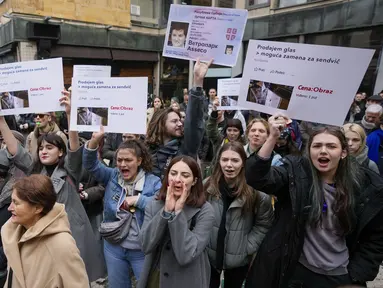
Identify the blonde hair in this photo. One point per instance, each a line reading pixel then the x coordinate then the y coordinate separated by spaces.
pixel 351 127
pixel 258 120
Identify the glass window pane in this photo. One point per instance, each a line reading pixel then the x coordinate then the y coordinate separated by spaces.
pixel 146 8
pixel 286 3
pixel 226 3
pixel 257 2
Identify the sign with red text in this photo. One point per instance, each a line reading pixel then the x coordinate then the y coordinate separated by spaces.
pixel 306 82
pixel 118 104
pixel 205 32
pixel 31 87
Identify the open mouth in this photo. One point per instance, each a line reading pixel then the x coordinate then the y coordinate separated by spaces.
pixel 125 172
pixel 323 161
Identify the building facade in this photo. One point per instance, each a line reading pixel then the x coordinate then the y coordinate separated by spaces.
pixel 129 35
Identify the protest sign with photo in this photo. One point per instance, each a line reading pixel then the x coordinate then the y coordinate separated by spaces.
pixel 31 87
pixel 228 93
pixel 118 104
pixel 91 71
pixel 307 82
pixel 205 32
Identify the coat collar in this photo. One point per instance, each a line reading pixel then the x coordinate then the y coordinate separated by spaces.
pixel 58 177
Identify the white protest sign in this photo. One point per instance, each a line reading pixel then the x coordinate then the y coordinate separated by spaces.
pixel 80 71
pixel 306 82
pixel 31 87
pixel 228 93
pixel 119 104
pixel 205 32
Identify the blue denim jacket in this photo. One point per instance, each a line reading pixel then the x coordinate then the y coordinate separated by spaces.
pixel 113 191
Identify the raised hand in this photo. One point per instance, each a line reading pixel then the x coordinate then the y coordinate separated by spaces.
pixel 98 135
pixel 170 201
pixel 181 201
pixel 200 70
pixel 65 100
pixel 277 122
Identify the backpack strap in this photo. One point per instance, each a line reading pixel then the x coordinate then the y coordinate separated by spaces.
pixel 10 277
pixel 193 222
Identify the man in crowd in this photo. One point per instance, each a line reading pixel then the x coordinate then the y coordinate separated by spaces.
pixel 371 118
pixel 167 137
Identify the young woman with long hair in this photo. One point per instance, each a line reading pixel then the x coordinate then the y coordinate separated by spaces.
pixel 356 140
pixel 64 167
pixel 177 229
pixel 158 104
pixel 129 188
pixel 242 217
pixel 257 132
pixel 328 228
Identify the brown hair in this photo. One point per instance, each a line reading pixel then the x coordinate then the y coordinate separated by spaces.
pixel 243 190
pixel 157 126
pixel 37 190
pixel 197 196
pixel 179 26
pixel 258 120
pixel 140 150
pixel 348 179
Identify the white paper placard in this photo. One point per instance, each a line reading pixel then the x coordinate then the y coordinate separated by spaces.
pixel 85 71
pixel 205 32
pixel 228 93
pixel 119 104
pixel 307 82
pixel 31 87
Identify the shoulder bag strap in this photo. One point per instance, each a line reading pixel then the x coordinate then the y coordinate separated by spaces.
pixel 10 277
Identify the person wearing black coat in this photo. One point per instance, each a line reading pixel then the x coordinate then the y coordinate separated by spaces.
pixel 328 228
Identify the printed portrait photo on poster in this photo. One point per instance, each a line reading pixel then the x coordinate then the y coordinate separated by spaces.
pixel 229 49
pixel 231 101
pixel 14 99
pixel 178 34
pixel 269 94
pixel 92 116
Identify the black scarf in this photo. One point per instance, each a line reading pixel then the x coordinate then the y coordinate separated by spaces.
pixel 227 199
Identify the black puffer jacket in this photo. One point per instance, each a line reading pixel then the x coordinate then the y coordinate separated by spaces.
pixel 282 247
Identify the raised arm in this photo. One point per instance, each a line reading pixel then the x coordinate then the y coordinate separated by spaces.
pixel 194 123
pixel 259 173
pixel 74 140
pixel 212 125
pixel 8 137
pixel 90 161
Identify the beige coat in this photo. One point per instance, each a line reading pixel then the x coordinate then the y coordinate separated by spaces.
pixel 45 255
pixel 31 143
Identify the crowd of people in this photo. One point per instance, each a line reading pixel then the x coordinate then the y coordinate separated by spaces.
pixel 207 198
